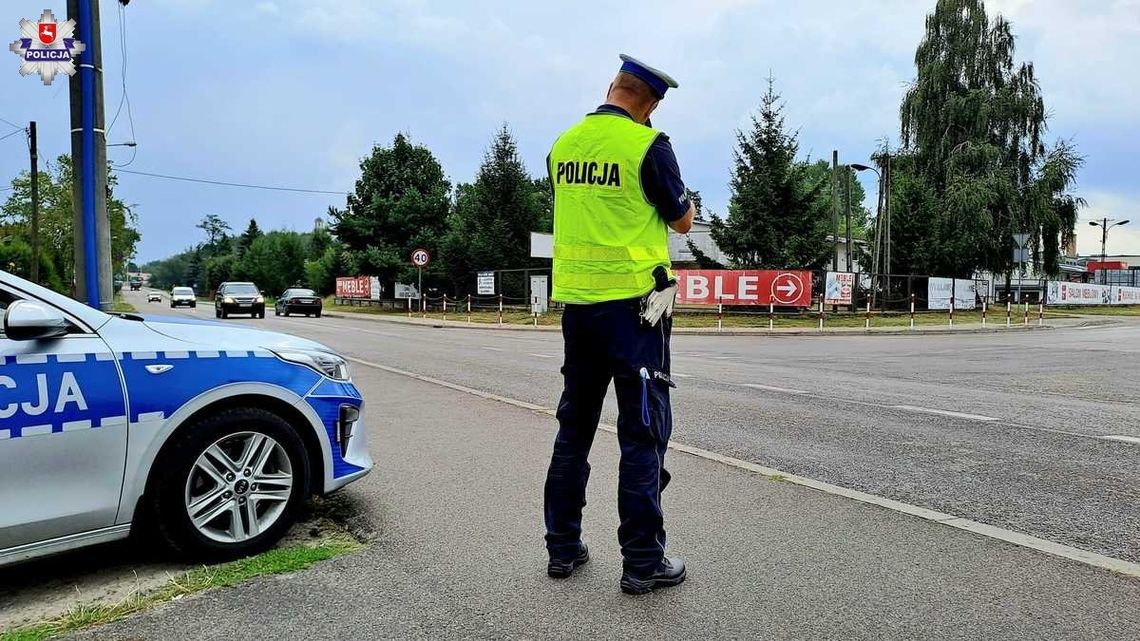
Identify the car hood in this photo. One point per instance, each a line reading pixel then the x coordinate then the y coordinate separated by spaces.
pixel 226 336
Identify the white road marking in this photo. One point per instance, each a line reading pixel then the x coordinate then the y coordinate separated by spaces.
pixel 928 410
pixel 491 349
pixel 1016 538
pixel 1126 439
pixel 770 388
pixel 542 355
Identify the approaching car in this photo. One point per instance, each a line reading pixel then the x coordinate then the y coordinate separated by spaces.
pixel 239 298
pixel 154 297
pixel 230 428
pixel 298 301
pixel 183 296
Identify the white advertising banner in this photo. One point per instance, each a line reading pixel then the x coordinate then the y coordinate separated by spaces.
pixel 1125 295
pixel 404 290
pixel 939 291
pixel 1078 294
pixel 839 288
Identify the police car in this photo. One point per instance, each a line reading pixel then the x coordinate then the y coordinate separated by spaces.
pixel 211 435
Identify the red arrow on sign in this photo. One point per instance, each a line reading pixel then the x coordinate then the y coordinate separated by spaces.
pixel 786 288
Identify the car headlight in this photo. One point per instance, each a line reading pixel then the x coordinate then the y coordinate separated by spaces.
pixel 227 300
pixel 260 299
pixel 325 363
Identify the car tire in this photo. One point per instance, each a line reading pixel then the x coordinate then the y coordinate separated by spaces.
pixel 225 314
pixel 261 314
pixel 276 311
pixel 218 490
pixel 286 312
pixel 317 315
pixel 193 305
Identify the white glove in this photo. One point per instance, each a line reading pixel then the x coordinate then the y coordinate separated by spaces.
pixel 658 304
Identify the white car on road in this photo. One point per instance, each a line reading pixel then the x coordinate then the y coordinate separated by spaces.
pixel 183 296
pixel 215 434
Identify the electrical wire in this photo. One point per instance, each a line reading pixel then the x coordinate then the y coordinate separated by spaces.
pixel 232 184
pixel 125 99
pixel 9 122
pixel 21 130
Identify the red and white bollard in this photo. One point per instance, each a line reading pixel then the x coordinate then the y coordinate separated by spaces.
pixel 500 309
pixel 423 305
pixel 445 307
pixel 821 313
pixel 1026 310
pixel 719 315
pixel 1040 313
pixel 867 324
pixel 984 301
pixel 951 311
pixel 912 311
pixel 409 307
pixel 1008 312
pixel 469 308
pixel 771 316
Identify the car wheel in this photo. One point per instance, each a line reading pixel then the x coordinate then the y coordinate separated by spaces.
pixel 276 311
pixel 317 315
pixel 286 311
pixel 230 485
pixel 193 305
pixel 261 314
pixel 225 314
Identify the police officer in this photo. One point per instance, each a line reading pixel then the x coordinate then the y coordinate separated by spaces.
pixel 617 189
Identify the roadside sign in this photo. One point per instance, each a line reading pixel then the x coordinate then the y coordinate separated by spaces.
pixel 839 288
pixel 420 258
pixel 744 287
pixel 485 281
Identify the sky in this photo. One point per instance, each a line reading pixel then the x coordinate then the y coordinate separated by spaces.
pixel 294 93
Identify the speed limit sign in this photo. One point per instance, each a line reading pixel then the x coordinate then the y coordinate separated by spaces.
pixel 421 257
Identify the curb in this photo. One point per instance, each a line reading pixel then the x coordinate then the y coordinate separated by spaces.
pixel 699 331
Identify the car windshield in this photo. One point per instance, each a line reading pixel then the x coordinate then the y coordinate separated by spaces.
pixel 241 289
pixel 300 292
pixel 183 291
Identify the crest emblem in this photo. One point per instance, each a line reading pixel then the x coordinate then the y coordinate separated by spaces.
pixel 47 32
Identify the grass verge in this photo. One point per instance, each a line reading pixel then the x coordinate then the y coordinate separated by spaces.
pixel 276 561
pixel 120 306
pixel 1113 310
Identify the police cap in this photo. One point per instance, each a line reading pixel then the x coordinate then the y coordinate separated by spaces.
pixel 658 80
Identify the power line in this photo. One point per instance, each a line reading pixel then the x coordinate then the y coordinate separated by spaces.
pixel 232 184
pixel 21 130
pixel 126 98
pixel 9 122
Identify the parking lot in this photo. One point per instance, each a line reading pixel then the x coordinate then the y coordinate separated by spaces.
pixel 1027 433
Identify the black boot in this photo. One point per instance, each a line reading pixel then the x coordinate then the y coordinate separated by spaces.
pixel 563 568
pixel 671 572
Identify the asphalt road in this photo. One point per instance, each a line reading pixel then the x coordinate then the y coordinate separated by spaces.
pixel 455 507
pixel 1010 430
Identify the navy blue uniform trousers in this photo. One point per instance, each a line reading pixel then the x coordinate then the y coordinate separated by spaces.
pixel 604 342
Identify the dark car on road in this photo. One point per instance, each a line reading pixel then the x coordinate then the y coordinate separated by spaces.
pixel 239 298
pixel 298 301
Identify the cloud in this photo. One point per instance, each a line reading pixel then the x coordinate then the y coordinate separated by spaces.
pixel 270 8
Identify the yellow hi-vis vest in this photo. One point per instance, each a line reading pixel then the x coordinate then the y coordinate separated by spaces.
pixel 608 238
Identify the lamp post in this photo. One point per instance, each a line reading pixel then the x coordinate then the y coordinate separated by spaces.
pixel 880 223
pixel 1106 224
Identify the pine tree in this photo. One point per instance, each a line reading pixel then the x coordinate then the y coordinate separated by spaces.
pixel 494 216
pixel 251 233
pixel 775 219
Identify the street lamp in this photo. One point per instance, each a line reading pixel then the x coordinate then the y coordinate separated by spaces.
pixel 882 226
pixel 1106 224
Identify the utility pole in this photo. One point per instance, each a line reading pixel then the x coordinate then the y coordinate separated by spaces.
pixel 1103 242
pixel 847 199
pixel 34 155
pixel 835 210
pixel 89 163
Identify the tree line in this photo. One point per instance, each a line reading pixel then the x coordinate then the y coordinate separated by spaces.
pixel 973 170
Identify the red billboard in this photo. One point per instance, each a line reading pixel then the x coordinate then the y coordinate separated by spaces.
pixel 354 287
pixel 744 287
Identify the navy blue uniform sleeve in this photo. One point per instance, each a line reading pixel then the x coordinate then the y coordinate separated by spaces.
pixel 661 181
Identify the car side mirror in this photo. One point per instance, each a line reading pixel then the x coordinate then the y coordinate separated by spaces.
pixel 29 321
